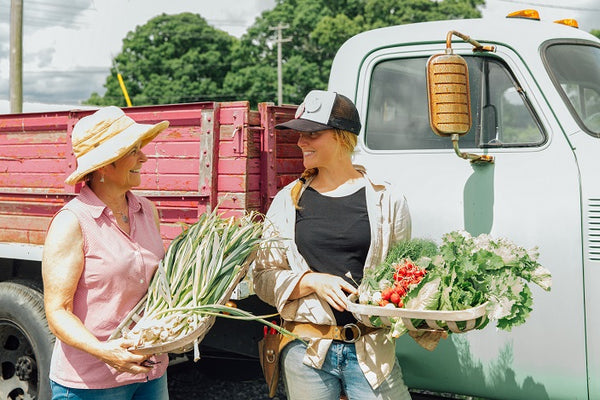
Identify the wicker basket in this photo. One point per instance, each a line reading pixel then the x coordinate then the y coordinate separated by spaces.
pixel 469 319
pixel 190 341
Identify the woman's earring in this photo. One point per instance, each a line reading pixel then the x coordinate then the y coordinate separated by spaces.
pixel 102 178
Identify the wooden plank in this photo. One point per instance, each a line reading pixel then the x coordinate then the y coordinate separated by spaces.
pixel 172 149
pixel 234 113
pixel 226 132
pixel 283 180
pixel 12 235
pixel 29 208
pixel 179 134
pixel 32 166
pixel 171 182
pixel 33 151
pixel 32 122
pixel 33 180
pixel 239 166
pixel 230 200
pixel 232 183
pixel 24 222
pixel 285 150
pixel 289 166
pixel 29 138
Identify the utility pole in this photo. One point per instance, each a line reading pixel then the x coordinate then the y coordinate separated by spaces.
pixel 280 40
pixel 16 56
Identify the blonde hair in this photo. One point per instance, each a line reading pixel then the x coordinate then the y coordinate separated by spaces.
pixel 346 141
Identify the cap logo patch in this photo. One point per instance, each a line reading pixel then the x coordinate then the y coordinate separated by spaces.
pixel 299 111
pixel 312 103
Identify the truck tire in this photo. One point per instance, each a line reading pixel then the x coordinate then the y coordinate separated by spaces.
pixel 25 344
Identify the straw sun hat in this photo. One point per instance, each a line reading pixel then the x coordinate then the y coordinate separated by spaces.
pixel 105 136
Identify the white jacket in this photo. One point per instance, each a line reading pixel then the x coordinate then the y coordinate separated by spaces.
pixel 279 266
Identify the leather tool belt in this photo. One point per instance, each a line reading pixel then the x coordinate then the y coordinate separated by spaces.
pixel 348 333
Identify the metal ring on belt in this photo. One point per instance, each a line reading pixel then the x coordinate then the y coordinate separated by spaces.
pixel 356 333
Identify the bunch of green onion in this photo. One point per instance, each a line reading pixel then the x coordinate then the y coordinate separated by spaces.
pixel 195 278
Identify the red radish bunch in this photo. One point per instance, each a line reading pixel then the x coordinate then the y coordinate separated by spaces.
pixel 406 274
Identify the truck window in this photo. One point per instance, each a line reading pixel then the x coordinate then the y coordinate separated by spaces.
pixel 397 115
pixel 575 69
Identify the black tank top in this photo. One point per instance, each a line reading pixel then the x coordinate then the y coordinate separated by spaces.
pixel 333 235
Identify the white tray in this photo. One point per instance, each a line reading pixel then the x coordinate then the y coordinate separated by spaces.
pixel 363 312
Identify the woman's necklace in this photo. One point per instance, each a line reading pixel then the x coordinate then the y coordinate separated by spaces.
pixel 124 216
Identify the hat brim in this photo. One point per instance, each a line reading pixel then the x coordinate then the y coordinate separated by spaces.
pixel 115 148
pixel 303 125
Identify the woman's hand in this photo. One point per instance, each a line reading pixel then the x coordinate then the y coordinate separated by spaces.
pixel 115 354
pixel 329 287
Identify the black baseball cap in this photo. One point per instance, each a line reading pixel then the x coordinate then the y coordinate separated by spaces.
pixel 322 110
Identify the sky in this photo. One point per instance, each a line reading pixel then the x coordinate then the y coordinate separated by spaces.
pixel 68 45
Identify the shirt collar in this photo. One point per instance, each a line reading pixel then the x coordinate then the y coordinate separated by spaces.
pixel 378 184
pixel 97 206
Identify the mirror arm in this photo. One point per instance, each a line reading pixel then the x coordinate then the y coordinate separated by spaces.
pixel 476 45
pixel 474 158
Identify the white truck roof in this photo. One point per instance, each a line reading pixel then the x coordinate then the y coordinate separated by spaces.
pixel 523 35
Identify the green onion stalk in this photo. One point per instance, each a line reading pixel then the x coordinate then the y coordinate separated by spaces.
pixel 201 267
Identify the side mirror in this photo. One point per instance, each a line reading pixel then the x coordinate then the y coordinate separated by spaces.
pixel 449 96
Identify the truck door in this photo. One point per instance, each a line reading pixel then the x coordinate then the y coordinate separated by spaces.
pixel 530 194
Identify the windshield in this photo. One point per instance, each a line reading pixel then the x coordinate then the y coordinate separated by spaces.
pixel 575 69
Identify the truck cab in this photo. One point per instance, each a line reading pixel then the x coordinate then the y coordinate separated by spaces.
pixel 535 104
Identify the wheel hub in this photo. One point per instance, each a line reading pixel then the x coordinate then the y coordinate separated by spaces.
pixel 18 369
pixel 25 368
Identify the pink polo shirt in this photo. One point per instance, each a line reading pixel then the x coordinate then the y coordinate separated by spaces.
pixel 117 271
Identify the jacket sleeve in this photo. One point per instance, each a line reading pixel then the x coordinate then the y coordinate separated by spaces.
pixel 273 277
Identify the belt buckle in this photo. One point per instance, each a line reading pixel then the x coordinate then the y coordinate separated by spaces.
pixel 356 333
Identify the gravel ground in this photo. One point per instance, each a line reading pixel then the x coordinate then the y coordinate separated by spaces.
pixel 217 379
pixel 210 379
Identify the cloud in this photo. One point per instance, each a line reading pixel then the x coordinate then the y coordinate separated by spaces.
pixel 44 57
pixel 4 40
pixel 68 87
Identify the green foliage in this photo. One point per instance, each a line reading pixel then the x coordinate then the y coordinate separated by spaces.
pixel 413 249
pixel 170 59
pixel 595 32
pixel 180 58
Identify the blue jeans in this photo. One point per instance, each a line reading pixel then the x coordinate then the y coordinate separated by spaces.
pixel 151 390
pixel 340 371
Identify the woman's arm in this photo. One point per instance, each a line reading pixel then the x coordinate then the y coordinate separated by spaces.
pixel 62 266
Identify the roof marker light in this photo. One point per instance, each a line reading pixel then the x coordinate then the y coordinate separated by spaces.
pixel 527 14
pixel 568 22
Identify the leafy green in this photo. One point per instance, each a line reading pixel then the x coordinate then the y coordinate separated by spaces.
pixel 465 272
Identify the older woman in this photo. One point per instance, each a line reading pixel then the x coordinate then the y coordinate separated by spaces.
pixel 336 221
pixel 101 251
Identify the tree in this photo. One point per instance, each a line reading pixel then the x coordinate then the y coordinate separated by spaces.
pixel 180 58
pixel 595 32
pixel 317 29
pixel 170 59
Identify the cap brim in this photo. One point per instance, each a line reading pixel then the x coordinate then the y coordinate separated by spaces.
pixel 115 148
pixel 303 125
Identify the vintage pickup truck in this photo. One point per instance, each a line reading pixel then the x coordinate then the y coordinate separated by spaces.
pixel 535 104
